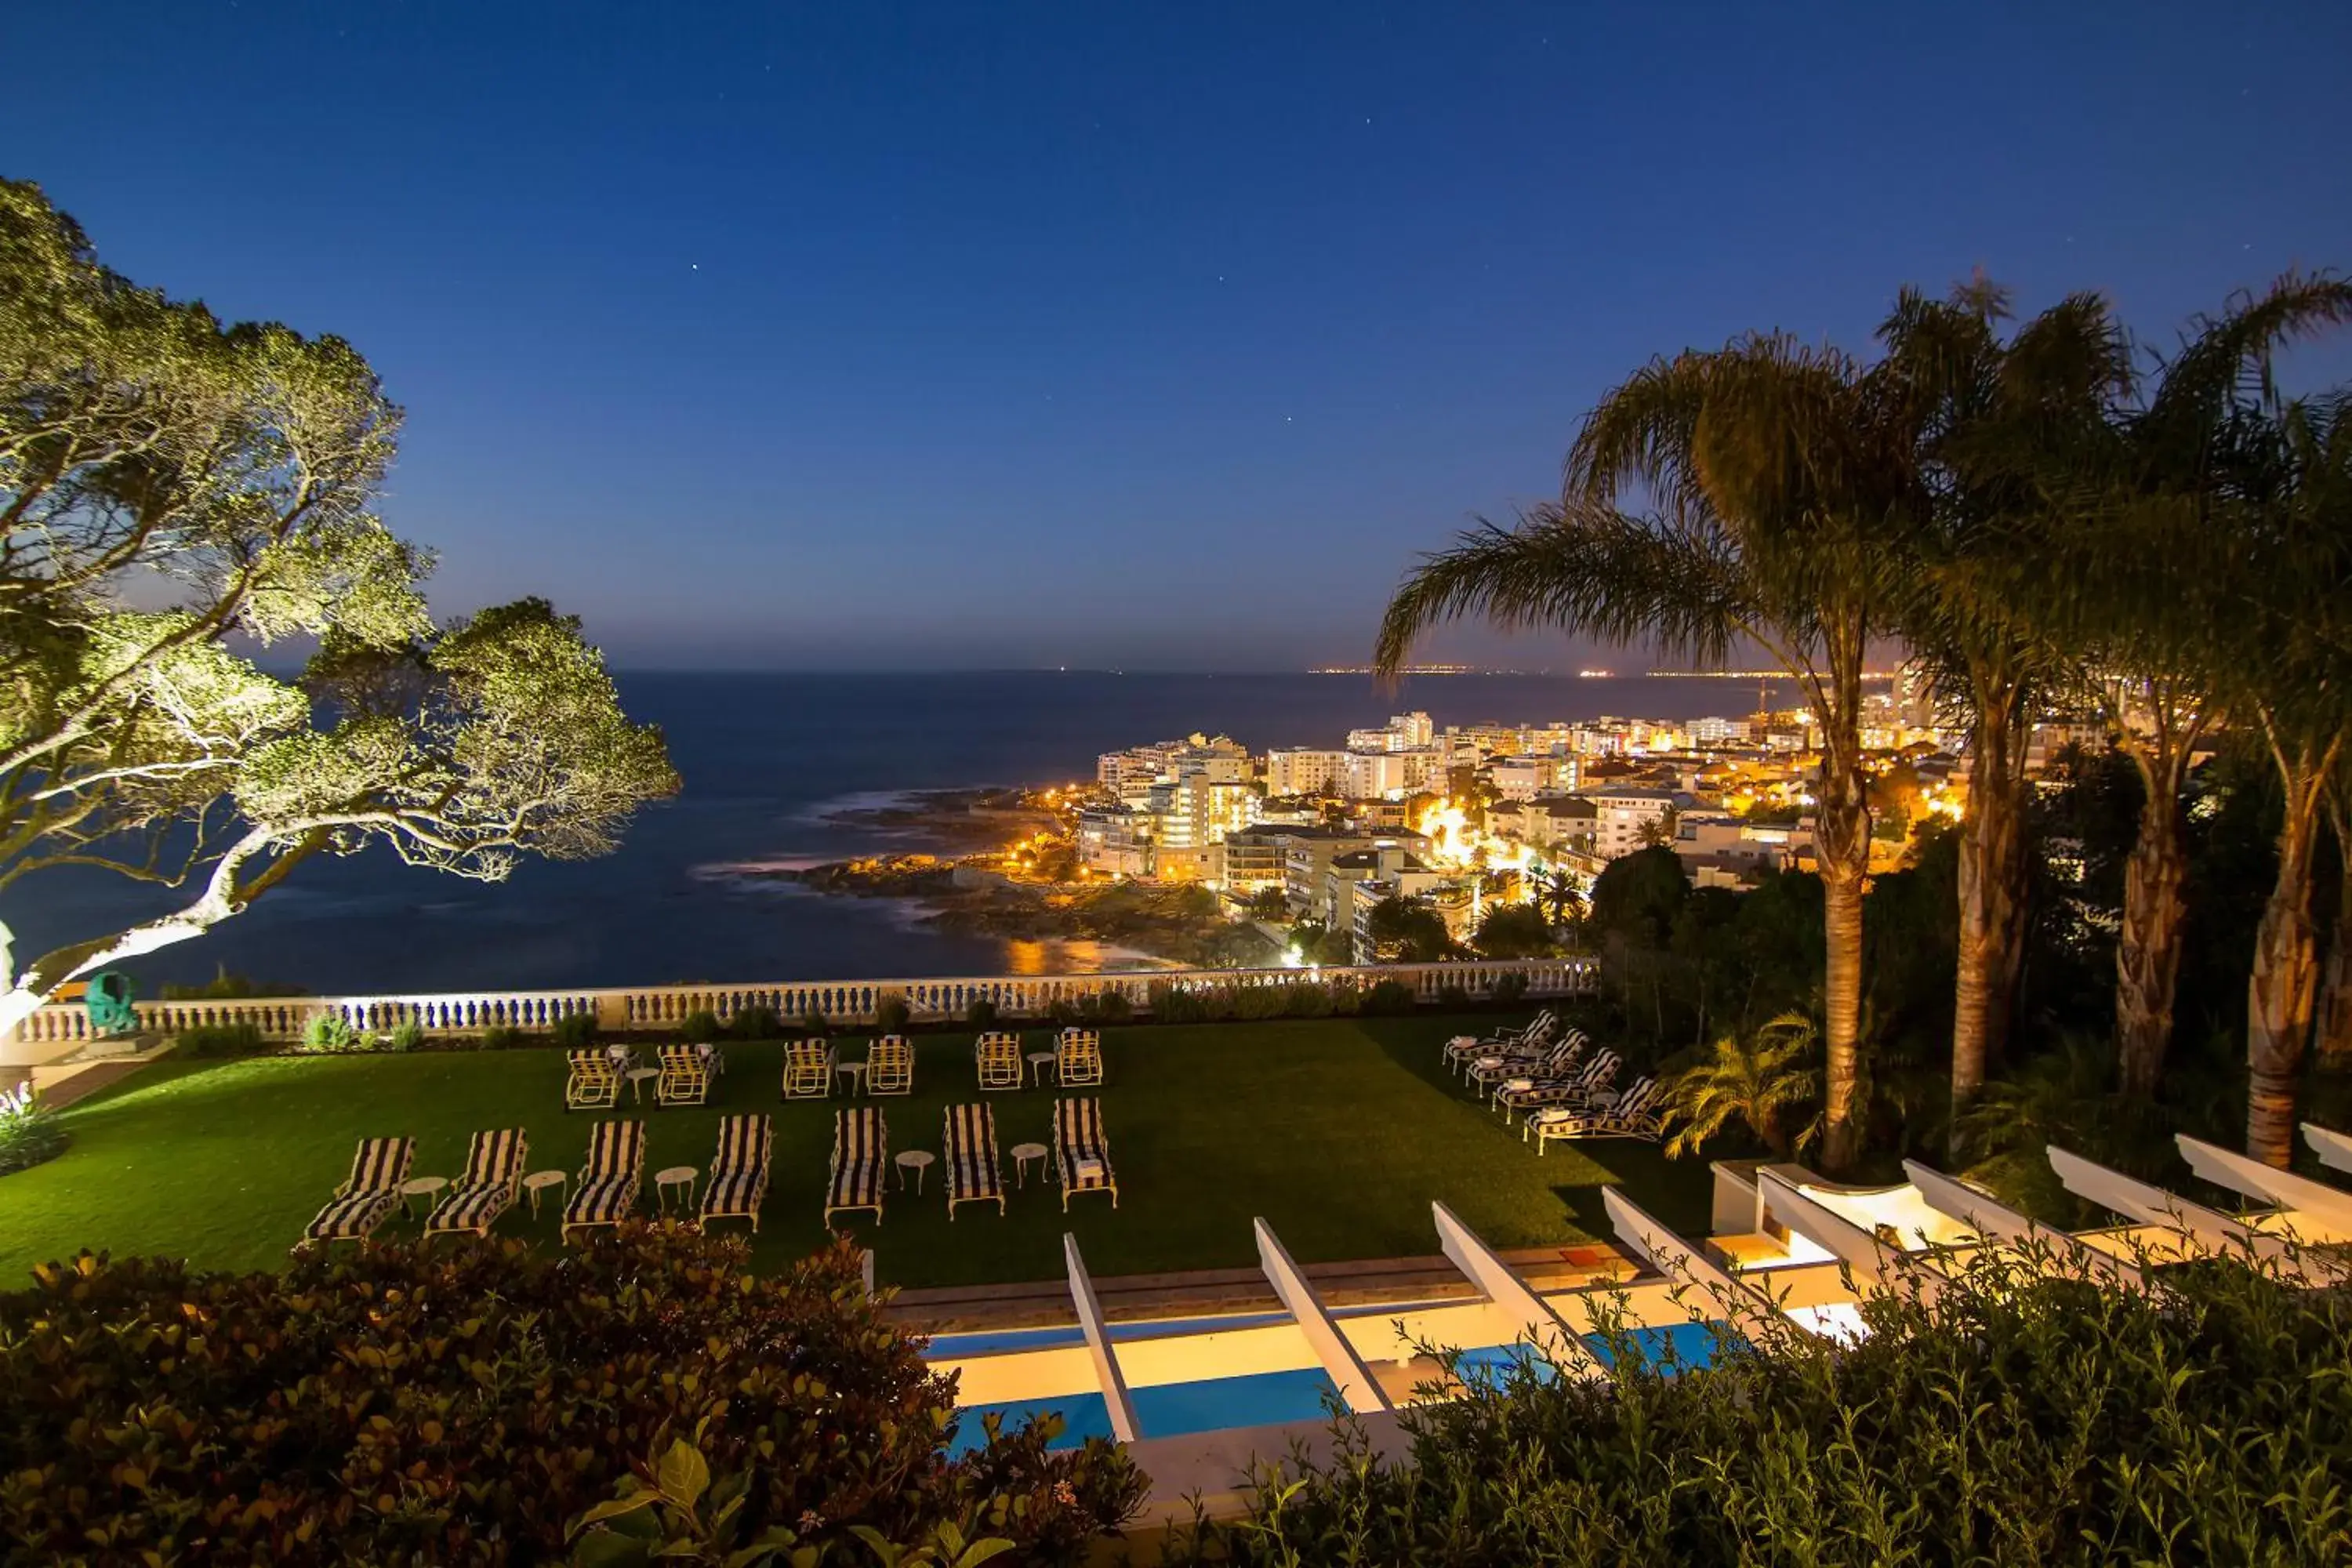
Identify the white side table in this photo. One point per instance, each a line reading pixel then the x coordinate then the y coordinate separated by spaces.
pixel 639 1078
pixel 1023 1155
pixel 681 1176
pixel 538 1181
pixel 854 1072
pixel 1038 1062
pixel 916 1159
pixel 425 1187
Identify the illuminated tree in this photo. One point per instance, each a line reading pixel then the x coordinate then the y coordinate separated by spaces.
pixel 176 492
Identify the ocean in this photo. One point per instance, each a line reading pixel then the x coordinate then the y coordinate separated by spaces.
pixel 766 759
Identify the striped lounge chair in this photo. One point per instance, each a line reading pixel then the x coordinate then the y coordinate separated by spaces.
pixel 890 1065
pixel 1634 1114
pixel 594 1082
pixel 491 1181
pixel 861 1153
pixel 998 1057
pixel 1081 1152
pixel 685 1076
pixel 609 1178
pixel 1078 1058
pixel 1576 1091
pixel 1528 1041
pixel 973 1174
pixel 739 1171
pixel 368 1194
pixel 1557 1060
pixel 808 1069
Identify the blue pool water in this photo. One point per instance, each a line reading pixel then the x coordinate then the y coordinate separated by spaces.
pixel 997 1341
pixel 1166 1410
pixel 1688 1346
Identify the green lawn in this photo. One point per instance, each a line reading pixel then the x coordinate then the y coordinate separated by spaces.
pixel 1338 1131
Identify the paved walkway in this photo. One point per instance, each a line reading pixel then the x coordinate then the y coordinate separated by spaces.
pixel 78 1081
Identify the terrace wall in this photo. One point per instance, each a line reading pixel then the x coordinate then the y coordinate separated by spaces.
pixel 58 1028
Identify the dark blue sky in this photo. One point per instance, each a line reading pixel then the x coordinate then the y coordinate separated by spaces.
pixel 879 335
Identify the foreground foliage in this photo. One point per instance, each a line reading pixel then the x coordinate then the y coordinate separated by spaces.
pixel 2017 1419
pixel 491 1403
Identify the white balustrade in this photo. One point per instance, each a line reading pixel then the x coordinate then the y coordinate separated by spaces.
pixel 838 1002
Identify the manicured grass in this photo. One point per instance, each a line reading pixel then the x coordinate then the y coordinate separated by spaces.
pixel 1338 1131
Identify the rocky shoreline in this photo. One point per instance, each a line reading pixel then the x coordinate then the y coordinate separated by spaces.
pixel 1000 863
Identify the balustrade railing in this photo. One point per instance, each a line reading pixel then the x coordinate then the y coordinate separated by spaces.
pixel 838 1002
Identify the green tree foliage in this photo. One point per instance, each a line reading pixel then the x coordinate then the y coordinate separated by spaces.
pixel 2204 1424
pixel 477 1403
pixel 1407 931
pixel 1512 931
pixel 1637 896
pixel 176 493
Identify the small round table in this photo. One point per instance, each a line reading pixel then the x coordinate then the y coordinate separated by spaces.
pixel 1023 1155
pixel 425 1187
pixel 854 1072
pixel 639 1078
pixel 916 1159
pixel 1038 1061
pixel 539 1181
pixel 675 1176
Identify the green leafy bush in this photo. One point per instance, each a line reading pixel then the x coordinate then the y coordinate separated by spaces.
pixel 30 1134
pixel 503 1038
pixel 701 1028
pixel 1106 1007
pixel 478 1401
pixel 1174 1004
pixel 1307 999
pixel 815 1022
pixel 408 1035
pixel 330 1034
pixel 1508 989
pixel 1256 1002
pixel 1064 1011
pixel 891 1014
pixel 2024 1416
pixel 1388 996
pixel 220 1040
pixel 756 1024
pixel 575 1031
pixel 1454 998
pixel 980 1014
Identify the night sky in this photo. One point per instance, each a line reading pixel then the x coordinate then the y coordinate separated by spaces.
pixel 865 335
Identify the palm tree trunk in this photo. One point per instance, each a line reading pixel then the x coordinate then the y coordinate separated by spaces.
pixel 1992 895
pixel 2334 1032
pixel 2147 951
pixel 2285 985
pixel 1842 847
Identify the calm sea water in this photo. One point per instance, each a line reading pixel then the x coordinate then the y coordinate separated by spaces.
pixel 765 757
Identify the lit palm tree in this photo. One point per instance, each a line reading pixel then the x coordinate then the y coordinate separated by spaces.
pixel 1755 1081
pixel 1779 486
pixel 2161 582
pixel 1562 900
pixel 2001 412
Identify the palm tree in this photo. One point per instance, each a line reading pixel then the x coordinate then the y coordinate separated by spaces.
pixel 1752 1080
pixel 1561 898
pixel 1658 832
pixel 2001 410
pixel 1779 487
pixel 2286 531
pixel 2155 583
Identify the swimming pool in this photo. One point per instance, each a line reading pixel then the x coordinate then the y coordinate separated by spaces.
pixel 1164 1410
pixel 1677 1347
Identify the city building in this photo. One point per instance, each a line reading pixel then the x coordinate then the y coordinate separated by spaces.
pixel 1621 816
pixel 1298 770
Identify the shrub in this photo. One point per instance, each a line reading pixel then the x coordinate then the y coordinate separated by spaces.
pixel 1106 1007
pixel 1254 1003
pixel 330 1034
pixel 1509 988
pixel 30 1134
pixel 575 1031
pixel 1307 999
pixel 2105 1426
pixel 701 1028
pixel 756 1024
pixel 1453 998
pixel 476 1403
pixel 1388 996
pixel 980 1014
pixel 220 1040
pixel 891 1014
pixel 224 986
pixel 504 1038
pixel 1174 1004
pixel 1064 1011
pixel 815 1022
pixel 408 1035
